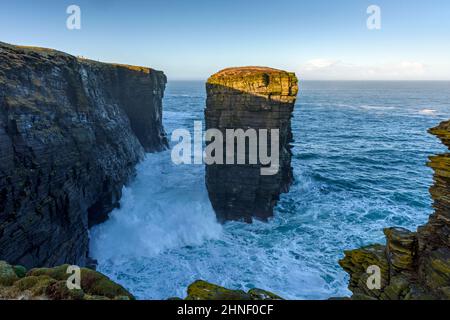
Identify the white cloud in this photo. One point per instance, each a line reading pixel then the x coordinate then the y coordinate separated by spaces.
pixel 315 64
pixel 338 70
pixel 413 67
pixel 400 69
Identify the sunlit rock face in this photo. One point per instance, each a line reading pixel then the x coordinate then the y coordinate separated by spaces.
pixel 413 265
pixel 71 132
pixel 250 98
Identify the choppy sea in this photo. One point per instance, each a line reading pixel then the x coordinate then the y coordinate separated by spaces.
pixel 359 162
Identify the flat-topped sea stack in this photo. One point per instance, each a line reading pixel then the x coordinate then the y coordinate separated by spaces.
pixel 246 98
pixel 413 265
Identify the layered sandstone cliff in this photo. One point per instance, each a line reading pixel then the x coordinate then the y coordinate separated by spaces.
pixel 414 265
pixel 250 98
pixel 71 132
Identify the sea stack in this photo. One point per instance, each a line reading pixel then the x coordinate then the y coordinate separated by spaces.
pixel 246 98
pixel 413 265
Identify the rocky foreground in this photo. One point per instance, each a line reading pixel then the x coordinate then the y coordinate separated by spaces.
pixel 71 132
pixel 413 265
pixel 16 283
pixel 250 98
pixel 202 290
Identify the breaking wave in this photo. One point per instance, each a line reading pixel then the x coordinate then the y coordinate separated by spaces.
pixel 357 171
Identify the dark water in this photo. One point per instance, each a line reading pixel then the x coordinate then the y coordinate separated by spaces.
pixel 359 160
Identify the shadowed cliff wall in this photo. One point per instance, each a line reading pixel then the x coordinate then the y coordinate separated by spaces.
pixel 71 132
pixel 250 98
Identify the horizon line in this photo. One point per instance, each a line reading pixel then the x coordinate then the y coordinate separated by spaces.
pixel 341 80
pixel 109 61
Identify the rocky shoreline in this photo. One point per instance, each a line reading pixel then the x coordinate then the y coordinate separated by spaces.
pixel 413 265
pixel 16 283
pixel 72 131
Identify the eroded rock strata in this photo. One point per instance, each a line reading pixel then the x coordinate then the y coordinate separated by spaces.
pixel 250 98
pixel 71 132
pixel 414 265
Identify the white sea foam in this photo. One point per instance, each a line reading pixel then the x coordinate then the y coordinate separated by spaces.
pixel 165 236
pixel 159 211
pixel 369 107
pixel 428 112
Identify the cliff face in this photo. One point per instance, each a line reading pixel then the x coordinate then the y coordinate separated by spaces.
pixel 71 132
pixel 414 265
pixel 250 98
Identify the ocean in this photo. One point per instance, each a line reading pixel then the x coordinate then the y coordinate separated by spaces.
pixel 359 160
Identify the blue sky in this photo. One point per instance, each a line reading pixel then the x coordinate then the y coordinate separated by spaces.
pixel 193 39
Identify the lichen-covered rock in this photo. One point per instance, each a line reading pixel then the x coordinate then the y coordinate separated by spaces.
pixel 356 263
pixel 249 98
pixel 416 265
pixel 20 271
pixel 401 248
pixel 71 132
pixel 202 290
pixel 51 284
pixel 7 274
pixel 92 283
pixel 259 294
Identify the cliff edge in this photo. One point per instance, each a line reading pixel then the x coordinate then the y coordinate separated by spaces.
pixel 413 265
pixel 71 132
